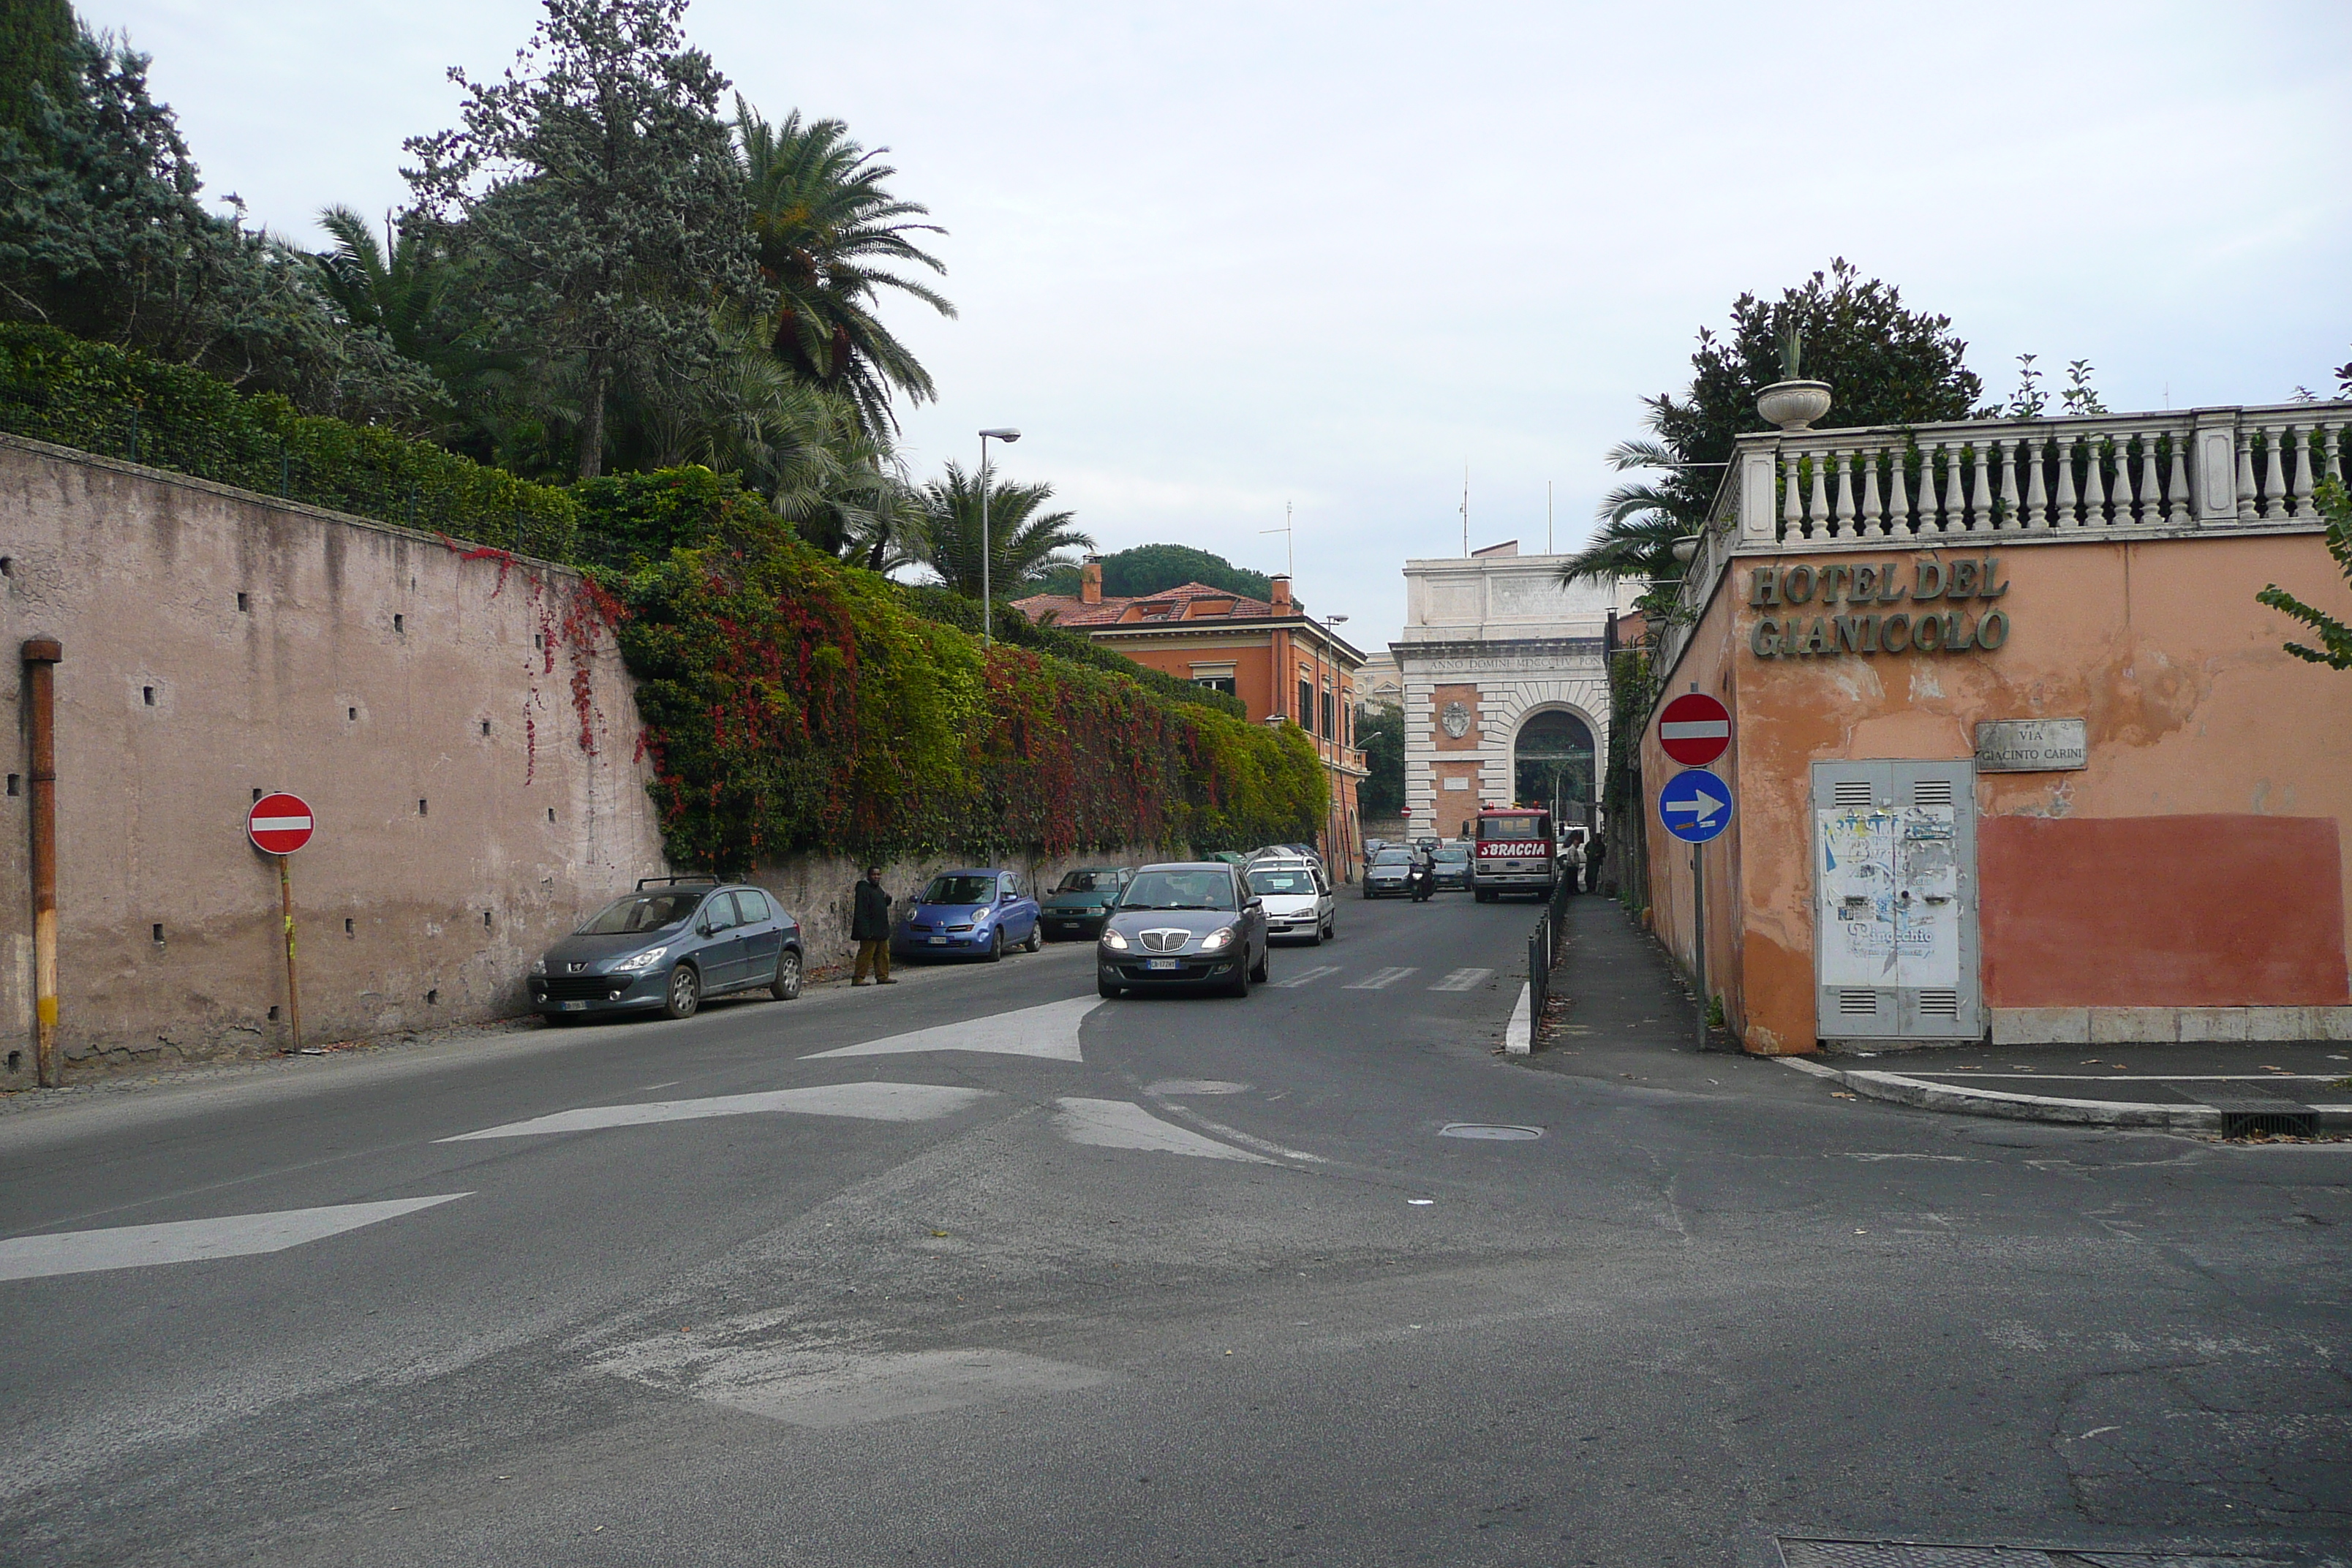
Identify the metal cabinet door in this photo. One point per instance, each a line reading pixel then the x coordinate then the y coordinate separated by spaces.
pixel 1895 902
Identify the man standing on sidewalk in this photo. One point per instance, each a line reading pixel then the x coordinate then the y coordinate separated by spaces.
pixel 870 923
pixel 1595 852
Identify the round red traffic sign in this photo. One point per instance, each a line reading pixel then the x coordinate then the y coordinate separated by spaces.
pixel 1694 729
pixel 279 824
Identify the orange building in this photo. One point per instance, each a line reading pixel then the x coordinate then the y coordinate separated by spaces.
pixel 1285 665
pixel 2015 752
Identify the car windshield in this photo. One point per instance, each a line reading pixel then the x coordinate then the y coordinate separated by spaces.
pixel 1393 857
pixel 960 890
pixel 1492 828
pixel 1453 852
pixel 1282 881
pixel 643 911
pixel 1095 880
pixel 1180 890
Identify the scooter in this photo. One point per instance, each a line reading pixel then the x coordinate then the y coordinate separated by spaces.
pixel 1420 881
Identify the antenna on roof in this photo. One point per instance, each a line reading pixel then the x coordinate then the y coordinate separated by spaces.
pixel 1466 508
pixel 1289 560
pixel 1548 549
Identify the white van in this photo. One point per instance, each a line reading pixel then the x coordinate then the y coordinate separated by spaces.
pixel 1298 897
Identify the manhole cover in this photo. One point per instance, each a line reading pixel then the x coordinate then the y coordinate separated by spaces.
pixel 1488 1129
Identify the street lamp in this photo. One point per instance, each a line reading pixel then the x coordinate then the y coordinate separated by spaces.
pixel 1008 435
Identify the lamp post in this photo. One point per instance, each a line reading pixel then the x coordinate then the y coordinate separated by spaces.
pixel 1008 435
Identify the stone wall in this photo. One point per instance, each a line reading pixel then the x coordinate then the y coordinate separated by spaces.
pixel 463 728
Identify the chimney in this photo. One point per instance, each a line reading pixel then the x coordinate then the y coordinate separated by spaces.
pixel 1282 605
pixel 1090 580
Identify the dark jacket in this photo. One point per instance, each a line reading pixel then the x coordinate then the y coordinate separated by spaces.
pixel 870 920
pixel 1595 853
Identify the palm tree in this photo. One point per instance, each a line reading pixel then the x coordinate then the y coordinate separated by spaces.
pixel 393 288
pixel 1022 543
pixel 1641 520
pixel 828 233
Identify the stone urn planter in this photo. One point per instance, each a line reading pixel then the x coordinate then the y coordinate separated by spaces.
pixel 1686 547
pixel 1794 404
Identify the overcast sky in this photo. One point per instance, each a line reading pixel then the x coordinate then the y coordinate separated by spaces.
pixel 1218 257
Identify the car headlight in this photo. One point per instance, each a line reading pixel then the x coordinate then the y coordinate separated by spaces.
pixel 1112 940
pixel 1217 939
pixel 637 962
pixel 539 966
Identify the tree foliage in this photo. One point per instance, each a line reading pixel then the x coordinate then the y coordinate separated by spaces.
pixel 829 233
pixel 2335 649
pixel 596 191
pixel 1023 541
pixel 102 234
pixel 37 40
pixel 1146 569
pixel 1380 732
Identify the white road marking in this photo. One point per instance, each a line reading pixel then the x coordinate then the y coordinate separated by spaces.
pixel 1172 1086
pixel 1519 1034
pixel 1381 979
pixel 1462 980
pixel 194 1240
pixel 1122 1124
pixel 871 1101
pixel 1050 1031
pixel 1247 1140
pixel 1306 977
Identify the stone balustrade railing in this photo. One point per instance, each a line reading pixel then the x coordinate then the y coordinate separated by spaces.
pixel 2025 480
pixel 2206 467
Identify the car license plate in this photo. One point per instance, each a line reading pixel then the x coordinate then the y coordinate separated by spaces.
pixel 939 941
pixel 1163 963
pixel 575 1006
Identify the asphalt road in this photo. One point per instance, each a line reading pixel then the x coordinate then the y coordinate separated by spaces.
pixel 1045 1280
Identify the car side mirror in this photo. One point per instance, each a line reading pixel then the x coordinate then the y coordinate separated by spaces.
pixel 1254 904
pixel 702 927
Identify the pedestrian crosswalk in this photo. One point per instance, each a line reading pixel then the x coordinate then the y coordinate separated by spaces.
pixel 1383 979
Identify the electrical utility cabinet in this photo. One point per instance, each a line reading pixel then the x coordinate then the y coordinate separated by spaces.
pixel 1895 901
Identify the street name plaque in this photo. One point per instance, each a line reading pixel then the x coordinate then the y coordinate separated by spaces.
pixel 2032 745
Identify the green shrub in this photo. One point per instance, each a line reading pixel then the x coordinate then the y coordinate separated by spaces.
pixel 118 402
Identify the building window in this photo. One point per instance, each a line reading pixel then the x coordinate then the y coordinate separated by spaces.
pixel 1223 683
pixel 1305 705
pixel 1327 713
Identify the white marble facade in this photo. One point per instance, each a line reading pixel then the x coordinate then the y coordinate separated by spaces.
pixel 1503 624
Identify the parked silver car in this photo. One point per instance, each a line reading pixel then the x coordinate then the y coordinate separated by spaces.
pixel 666 947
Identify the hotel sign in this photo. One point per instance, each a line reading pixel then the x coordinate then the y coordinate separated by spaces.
pixel 1806 603
pixel 2032 745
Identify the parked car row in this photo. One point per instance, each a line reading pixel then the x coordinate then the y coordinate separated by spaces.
pixel 677 941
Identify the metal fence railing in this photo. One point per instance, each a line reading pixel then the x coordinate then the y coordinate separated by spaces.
pixel 1544 946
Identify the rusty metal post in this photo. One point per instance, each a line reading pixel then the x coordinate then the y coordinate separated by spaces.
pixel 41 657
pixel 286 908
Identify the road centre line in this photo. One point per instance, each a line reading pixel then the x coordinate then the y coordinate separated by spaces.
pixel 867 1102
pixel 1306 977
pixel 194 1240
pixel 1462 980
pixel 1381 979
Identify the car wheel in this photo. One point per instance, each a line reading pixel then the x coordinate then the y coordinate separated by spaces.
pixel 787 984
pixel 1264 965
pixel 1241 981
pixel 1107 990
pixel 1331 930
pixel 1037 940
pixel 685 993
pixel 996 946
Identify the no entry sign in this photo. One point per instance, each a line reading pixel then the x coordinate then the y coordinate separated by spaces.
pixel 279 824
pixel 1694 729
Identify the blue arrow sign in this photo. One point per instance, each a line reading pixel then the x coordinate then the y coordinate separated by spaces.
pixel 1696 805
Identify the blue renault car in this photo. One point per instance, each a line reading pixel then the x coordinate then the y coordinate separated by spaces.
pixel 970 913
pixel 666 947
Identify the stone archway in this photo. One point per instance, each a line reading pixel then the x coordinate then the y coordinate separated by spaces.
pixel 1555 763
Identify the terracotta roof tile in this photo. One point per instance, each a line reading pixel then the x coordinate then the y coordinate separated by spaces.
pixel 1167 607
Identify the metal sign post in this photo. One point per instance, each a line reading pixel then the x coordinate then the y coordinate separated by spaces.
pixel 1695 806
pixel 278 825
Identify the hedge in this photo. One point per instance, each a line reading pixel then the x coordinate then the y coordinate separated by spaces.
pixel 100 398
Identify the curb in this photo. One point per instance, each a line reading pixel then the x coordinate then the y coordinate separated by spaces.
pixel 1902 1089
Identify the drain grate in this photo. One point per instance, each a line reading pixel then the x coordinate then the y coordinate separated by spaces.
pixel 1488 1129
pixel 2249 1111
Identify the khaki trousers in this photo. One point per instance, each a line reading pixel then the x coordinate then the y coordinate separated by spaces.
pixel 873 958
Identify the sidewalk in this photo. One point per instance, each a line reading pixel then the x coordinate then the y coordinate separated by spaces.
pixel 1620 1010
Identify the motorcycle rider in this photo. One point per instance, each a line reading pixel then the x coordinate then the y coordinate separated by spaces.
pixel 1421 880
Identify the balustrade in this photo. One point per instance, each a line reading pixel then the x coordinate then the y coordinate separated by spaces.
pixel 2045 476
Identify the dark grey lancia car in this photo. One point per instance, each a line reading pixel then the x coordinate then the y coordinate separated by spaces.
pixel 666 946
pixel 1190 926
